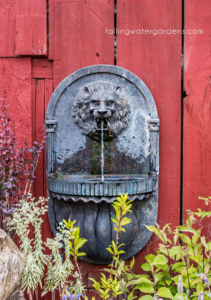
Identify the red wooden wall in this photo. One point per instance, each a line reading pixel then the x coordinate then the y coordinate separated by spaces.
pixel 43 41
pixel 197 106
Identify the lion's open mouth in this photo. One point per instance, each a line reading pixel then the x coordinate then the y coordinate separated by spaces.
pixel 105 124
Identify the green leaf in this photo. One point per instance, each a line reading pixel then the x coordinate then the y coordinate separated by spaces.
pixel 115 221
pixel 195 238
pixel 131 297
pixel 192 270
pixel 81 254
pixel 121 252
pixel 178 265
pixel 146 267
pixel 145 288
pixel 186 229
pixel 153 229
pixel 125 221
pixel 160 260
pixel 132 282
pixel 109 250
pixel 150 258
pixel 173 251
pixel 175 238
pixel 163 249
pixel 146 297
pixel 203 241
pixel 184 238
pixel 165 292
pixel 80 243
pixel 199 287
pixel 198 258
pixel 132 263
pixel 178 297
pixel 158 276
pixel 209 245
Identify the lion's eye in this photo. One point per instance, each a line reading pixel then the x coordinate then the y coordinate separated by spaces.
pixel 109 103
pixel 96 103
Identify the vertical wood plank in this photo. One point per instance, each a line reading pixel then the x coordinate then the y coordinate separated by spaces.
pixel 39 122
pixel 77 35
pixel 43 89
pixel 47 232
pixel 156 59
pixel 197 105
pixel 38 128
pixel 48 94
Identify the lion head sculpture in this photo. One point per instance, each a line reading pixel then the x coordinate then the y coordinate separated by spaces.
pixel 99 102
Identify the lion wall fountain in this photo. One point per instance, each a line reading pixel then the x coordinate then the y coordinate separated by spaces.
pixel 113 102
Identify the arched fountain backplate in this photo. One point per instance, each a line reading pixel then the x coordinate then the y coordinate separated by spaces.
pixel 113 102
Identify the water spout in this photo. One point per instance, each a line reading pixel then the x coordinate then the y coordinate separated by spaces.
pixel 102 152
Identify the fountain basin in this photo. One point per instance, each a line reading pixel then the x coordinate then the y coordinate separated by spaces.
pixel 128 150
pixel 91 186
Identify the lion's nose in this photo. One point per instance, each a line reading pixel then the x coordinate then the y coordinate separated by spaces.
pixel 102 112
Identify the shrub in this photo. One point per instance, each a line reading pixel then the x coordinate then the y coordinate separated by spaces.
pixel 179 269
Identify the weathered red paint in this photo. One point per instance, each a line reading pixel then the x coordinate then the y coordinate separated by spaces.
pixel 77 36
pixel 42 68
pixel 197 121
pixel 15 79
pixel 31 35
pixel 9 10
pixel 156 59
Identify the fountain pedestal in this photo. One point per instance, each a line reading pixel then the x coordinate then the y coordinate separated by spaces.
pixel 124 104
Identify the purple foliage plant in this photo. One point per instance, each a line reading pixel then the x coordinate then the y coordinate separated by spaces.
pixel 17 165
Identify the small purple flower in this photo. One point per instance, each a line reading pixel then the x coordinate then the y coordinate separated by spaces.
pixel 205 279
pixel 65 297
pixel 78 296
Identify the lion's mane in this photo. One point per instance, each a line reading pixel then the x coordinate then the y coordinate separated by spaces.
pixel 117 122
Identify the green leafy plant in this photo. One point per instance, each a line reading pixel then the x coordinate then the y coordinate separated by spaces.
pixel 179 269
pixel 181 266
pixel 58 270
pixel 26 222
pixel 116 282
pixel 27 215
pixel 75 243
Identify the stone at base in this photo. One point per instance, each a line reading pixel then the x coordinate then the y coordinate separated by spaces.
pixel 18 294
pixel 12 264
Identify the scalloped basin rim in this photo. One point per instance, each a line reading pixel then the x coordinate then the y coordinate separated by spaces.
pixel 86 185
pixel 97 178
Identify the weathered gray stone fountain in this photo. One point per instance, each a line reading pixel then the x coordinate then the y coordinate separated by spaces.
pixel 103 139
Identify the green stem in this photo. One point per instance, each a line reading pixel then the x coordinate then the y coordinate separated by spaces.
pixel 117 238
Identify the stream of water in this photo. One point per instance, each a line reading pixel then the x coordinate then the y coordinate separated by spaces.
pixel 102 153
